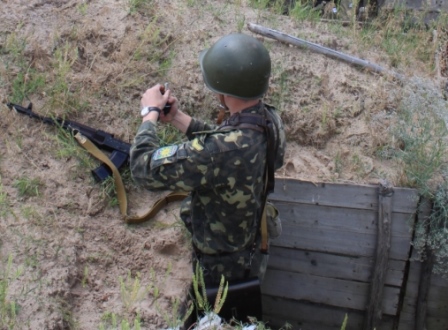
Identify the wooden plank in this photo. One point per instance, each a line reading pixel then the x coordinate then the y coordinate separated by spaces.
pixel 300 313
pixel 306 227
pixel 438 308
pixel 331 265
pixel 341 243
pixel 328 291
pixel 437 304
pixel 436 323
pixel 329 240
pixel 306 316
pixel 275 322
pixel 341 195
pixel 407 314
pixel 439 281
pixel 436 316
pixel 374 306
pixel 425 276
pixel 437 299
pixel 335 218
pixel 423 291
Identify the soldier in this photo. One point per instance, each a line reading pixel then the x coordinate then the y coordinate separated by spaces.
pixel 226 168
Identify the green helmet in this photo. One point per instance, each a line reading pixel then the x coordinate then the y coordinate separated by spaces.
pixel 237 65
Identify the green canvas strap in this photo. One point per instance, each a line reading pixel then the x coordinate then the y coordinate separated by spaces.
pixel 159 204
pixel 119 186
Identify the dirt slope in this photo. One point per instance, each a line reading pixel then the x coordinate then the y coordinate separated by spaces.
pixel 74 261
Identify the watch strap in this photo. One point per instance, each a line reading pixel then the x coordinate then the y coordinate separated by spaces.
pixel 147 110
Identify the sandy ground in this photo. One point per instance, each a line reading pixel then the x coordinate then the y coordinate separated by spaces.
pixel 74 263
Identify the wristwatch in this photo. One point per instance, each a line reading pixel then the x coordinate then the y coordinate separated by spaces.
pixel 147 110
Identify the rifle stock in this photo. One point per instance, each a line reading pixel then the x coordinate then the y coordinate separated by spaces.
pixel 119 150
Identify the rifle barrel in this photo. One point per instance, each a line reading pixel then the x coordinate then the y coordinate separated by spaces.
pixel 101 138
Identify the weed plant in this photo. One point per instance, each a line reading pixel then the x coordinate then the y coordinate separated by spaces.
pixel 434 232
pixel 112 321
pixel 4 203
pixel 404 36
pixel 27 187
pixel 132 291
pixel 303 10
pixel 138 5
pixel 8 307
pixel 67 147
pixel 422 135
pixel 169 135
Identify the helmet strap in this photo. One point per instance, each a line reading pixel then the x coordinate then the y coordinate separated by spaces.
pixel 222 109
pixel 222 102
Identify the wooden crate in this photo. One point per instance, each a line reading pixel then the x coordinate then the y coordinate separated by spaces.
pixel 321 267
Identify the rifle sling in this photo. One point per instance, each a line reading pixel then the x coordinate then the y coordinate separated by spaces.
pixel 256 122
pixel 119 186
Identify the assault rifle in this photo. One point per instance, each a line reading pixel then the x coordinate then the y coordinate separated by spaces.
pixel 103 140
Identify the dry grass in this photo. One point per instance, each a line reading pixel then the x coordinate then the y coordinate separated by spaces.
pixel 362 126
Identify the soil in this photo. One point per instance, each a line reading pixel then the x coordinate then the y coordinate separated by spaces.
pixel 74 263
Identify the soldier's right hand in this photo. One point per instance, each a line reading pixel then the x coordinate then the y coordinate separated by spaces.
pixel 166 118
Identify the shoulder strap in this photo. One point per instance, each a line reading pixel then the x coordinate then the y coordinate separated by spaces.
pixel 121 193
pixel 244 120
pixel 273 143
pixel 262 123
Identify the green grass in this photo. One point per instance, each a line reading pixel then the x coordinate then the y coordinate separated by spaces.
pixel 139 5
pixel 169 135
pixel 27 80
pixel 62 93
pixel 27 187
pixel 30 213
pixel 402 36
pixel 4 202
pixel 432 234
pixel 304 11
pixel 421 136
pixel 259 4
pixel 113 321
pixel 131 291
pixel 8 306
pixel 83 7
pixel 26 83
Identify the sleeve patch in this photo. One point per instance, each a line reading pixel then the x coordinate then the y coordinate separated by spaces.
pixel 164 152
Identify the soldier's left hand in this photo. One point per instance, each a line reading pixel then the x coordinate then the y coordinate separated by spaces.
pixel 153 97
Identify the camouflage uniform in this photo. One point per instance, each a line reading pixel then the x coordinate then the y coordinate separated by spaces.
pixel 224 171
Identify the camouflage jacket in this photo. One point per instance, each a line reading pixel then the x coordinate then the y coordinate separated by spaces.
pixel 223 170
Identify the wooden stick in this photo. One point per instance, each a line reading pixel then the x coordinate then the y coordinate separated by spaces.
pixel 421 307
pixel 423 291
pixel 374 311
pixel 277 35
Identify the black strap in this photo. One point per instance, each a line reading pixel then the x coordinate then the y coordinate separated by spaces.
pixel 245 120
pixel 270 158
pixel 263 123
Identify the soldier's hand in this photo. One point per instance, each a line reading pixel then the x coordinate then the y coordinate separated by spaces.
pixel 153 97
pixel 173 111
